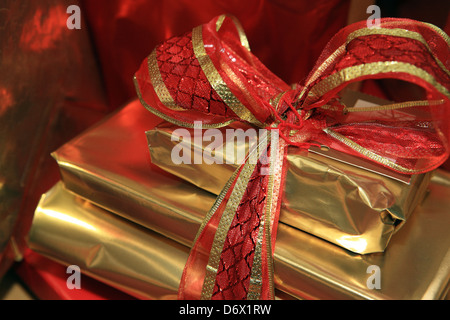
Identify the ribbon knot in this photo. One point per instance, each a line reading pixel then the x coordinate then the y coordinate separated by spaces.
pixel 289 120
pixel 210 75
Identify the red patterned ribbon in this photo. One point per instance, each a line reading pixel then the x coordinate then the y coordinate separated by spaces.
pixel 210 75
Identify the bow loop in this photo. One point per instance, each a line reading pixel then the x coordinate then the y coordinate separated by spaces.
pixel 208 75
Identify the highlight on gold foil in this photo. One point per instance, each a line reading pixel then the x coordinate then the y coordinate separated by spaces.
pixel 354 243
pixel 67 218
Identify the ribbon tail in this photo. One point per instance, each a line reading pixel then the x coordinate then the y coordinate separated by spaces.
pixel 231 258
pixel 274 172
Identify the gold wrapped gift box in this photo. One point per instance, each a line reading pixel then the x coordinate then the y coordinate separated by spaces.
pixel 348 201
pixel 109 166
pixel 147 265
pixel 117 252
pixel 121 254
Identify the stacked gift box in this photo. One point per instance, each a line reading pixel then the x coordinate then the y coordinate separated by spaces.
pixel 151 209
pixel 125 221
pixel 127 216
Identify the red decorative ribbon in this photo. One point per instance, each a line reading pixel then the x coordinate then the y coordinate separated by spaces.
pixel 210 75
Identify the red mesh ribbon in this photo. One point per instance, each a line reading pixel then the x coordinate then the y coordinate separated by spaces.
pixel 210 75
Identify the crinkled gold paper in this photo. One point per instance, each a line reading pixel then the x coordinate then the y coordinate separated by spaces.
pixel 345 200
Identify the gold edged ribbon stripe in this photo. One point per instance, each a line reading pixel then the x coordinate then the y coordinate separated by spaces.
pixel 227 187
pixel 351 73
pixel 255 285
pixel 165 117
pixel 256 105
pixel 216 205
pixel 216 80
pixel 225 223
pixel 338 52
pixel 274 189
pixel 397 32
pixel 394 106
pixel 254 290
pixel 273 193
pixel 242 37
pixel 441 33
pixel 275 101
pixel 417 36
pixel 158 84
pixel 369 154
pixel 223 227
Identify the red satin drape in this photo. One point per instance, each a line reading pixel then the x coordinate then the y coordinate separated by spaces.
pixel 287 36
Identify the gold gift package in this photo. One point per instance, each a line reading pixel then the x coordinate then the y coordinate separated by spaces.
pixel 145 264
pixel 351 202
pixel 115 251
pixel 109 165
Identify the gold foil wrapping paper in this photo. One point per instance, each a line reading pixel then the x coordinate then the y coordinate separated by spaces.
pixel 140 262
pixel 109 165
pixel 348 201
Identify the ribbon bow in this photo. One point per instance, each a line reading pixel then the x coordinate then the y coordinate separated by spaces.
pixel 210 75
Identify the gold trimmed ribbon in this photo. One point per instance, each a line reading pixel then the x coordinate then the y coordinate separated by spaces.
pixel 292 112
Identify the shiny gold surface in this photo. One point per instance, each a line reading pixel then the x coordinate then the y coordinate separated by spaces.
pixel 117 252
pixel 416 265
pixel 423 243
pixel 347 205
pixel 111 163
